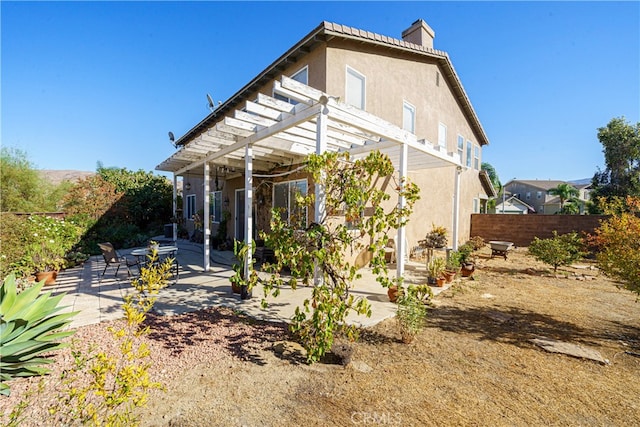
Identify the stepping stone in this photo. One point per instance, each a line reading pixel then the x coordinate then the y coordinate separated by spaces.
pixel 574 350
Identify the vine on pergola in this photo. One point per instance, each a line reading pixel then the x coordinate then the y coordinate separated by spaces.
pixel 358 220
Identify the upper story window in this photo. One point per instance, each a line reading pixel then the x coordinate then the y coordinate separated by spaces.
pixel 301 76
pixel 215 206
pixel 461 147
pixel 528 196
pixel 469 145
pixel 442 135
pixel 476 157
pixel 190 208
pixel 539 194
pixel 284 197
pixel 355 88
pixel 408 117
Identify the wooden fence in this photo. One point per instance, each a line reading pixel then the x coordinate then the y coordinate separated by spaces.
pixel 521 229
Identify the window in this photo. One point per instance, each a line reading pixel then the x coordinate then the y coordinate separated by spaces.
pixel 301 76
pixel 284 197
pixel 442 135
pixel 469 153
pixel 476 205
pixel 408 117
pixel 191 206
pixel 461 147
pixel 476 157
pixel 355 89
pixel 528 196
pixel 539 194
pixel 215 206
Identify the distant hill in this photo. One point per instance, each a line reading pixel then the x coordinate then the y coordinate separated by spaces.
pixel 57 176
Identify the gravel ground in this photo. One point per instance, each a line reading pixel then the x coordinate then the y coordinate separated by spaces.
pixel 472 365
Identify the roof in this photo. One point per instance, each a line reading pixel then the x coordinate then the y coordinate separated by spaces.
pixel 513 200
pixel 537 183
pixel 485 180
pixel 322 34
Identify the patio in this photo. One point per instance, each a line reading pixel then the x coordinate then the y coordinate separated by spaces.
pixel 99 299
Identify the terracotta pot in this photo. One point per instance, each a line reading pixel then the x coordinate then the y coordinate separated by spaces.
pixel 392 292
pixel 235 288
pixel 440 282
pixel 467 269
pixel 449 276
pixel 49 277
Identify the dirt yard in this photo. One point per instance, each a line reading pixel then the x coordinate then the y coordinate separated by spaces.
pixel 474 363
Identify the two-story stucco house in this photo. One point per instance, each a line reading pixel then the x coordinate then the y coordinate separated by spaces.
pixel 535 193
pixel 339 88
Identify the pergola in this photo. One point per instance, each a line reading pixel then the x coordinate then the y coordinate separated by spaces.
pixel 268 133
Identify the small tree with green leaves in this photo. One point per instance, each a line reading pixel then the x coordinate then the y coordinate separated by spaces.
pixel 565 192
pixel 324 250
pixel 559 250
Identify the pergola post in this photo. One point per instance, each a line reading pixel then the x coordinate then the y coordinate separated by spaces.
pixel 320 197
pixel 456 207
pixel 248 205
pixel 206 220
pixel 174 209
pixel 400 247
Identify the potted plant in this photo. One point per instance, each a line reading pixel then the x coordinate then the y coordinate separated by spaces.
pixel 435 268
pixel 411 314
pixel 436 238
pixel 467 262
pixel 452 267
pixel 47 261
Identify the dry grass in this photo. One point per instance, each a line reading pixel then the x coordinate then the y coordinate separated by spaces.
pixel 472 365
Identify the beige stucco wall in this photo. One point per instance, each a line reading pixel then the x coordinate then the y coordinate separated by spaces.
pixel 389 82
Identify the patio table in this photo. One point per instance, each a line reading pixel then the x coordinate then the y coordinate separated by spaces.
pixel 164 252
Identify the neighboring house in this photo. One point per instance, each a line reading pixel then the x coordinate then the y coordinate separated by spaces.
pixel 339 88
pixel 536 194
pixel 513 205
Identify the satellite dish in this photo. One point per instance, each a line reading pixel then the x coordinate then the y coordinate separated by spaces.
pixel 172 138
pixel 211 104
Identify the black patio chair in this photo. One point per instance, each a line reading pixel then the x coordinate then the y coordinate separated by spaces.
pixel 111 257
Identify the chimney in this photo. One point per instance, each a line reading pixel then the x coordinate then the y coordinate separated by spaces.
pixel 419 33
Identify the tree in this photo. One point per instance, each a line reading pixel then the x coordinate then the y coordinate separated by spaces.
pixel 493 176
pixel 22 187
pixel 557 251
pixel 617 241
pixel 566 192
pixel 359 217
pixel 621 146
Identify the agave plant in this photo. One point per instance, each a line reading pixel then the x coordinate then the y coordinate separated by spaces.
pixel 29 327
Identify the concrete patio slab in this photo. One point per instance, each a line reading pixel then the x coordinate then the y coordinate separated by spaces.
pixel 99 298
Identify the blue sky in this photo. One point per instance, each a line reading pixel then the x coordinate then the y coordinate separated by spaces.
pixel 84 82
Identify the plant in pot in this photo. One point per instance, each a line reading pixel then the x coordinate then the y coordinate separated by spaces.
pixel 240 284
pixel 436 238
pixel 467 262
pixel 47 260
pixel 411 314
pixel 452 267
pixel 435 268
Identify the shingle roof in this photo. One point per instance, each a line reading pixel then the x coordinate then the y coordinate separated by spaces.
pixel 542 184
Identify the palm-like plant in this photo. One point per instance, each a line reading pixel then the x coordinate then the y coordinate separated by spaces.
pixel 565 192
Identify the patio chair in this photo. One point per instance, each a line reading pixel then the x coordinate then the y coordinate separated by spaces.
pixel 111 257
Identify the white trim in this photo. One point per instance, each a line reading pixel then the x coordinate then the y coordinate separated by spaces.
pixel 442 135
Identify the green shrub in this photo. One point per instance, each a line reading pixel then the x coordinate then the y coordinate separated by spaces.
pixel 411 315
pixel 28 328
pixel 559 250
